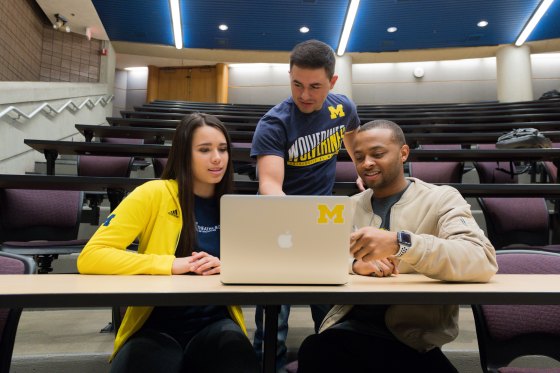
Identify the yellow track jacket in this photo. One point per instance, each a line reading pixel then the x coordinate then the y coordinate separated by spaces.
pixel 152 214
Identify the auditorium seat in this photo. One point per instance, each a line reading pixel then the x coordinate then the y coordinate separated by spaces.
pixel 104 166
pixel 345 171
pixel 495 172
pixel 506 332
pixel 9 317
pixel 516 221
pixel 550 169
pixel 40 223
pixel 512 222
pixel 437 172
pixel 159 165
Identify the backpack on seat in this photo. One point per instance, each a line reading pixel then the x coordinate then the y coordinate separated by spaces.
pixel 523 138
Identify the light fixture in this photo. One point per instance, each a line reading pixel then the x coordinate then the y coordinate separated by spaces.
pixel 176 19
pixel 535 18
pixel 137 68
pixel 392 29
pixel 304 29
pixel 482 23
pixel 223 27
pixel 348 23
pixel 61 23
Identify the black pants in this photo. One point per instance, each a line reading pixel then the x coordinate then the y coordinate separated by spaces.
pixel 338 350
pixel 219 347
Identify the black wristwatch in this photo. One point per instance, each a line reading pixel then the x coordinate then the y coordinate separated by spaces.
pixel 404 241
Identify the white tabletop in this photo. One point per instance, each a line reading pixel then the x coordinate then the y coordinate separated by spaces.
pixel 57 290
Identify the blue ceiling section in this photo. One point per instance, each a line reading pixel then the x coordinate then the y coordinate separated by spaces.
pixel 260 25
pixel 273 25
pixel 141 21
pixel 549 26
pixel 437 24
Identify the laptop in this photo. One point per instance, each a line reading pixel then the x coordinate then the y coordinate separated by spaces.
pixel 284 239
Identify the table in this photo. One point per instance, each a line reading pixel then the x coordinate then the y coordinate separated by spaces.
pixel 156 135
pixel 52 148
pixel 98 291
pixel 400 119
pixel 174 115
pixel 159 135
pixel 479 127
pixel 93 183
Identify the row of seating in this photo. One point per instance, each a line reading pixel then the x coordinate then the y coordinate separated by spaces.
pixel 449 107
pixel 402 119
pixel 345 171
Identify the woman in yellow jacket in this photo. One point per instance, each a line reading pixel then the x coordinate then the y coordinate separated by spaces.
pixel 176 221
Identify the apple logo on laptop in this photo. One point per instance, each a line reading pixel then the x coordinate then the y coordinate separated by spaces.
pixel 285 240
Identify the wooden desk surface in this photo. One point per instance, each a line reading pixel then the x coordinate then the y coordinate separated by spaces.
pixel 479 126
pixel 160 134
pixel 451 118
pixel 242 154
pixel 174 115
pixel 171 123
pixel 95 291
pixel 156 134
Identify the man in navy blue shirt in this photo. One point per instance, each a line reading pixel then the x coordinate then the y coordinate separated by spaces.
pixel 296 146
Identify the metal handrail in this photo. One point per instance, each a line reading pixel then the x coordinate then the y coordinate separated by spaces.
pixel 47 108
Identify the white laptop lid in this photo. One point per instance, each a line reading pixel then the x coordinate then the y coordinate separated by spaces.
pixel 284 239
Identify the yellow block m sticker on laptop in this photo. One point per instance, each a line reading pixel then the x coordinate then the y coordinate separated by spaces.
pixel 338 112
pixel 334 215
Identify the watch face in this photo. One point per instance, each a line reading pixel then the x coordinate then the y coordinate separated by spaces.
pixel 405 239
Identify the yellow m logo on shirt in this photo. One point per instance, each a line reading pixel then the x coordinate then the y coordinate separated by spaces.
pixel 338 112
pixel 334 214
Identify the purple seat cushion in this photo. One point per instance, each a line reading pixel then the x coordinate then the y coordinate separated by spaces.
pixel 292 367
pixel 20 207
pixel 506 321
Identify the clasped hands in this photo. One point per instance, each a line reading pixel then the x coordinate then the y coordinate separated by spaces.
pixel 373 250
pixel 200 263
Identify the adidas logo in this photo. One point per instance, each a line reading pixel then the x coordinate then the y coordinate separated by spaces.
pixel 174 213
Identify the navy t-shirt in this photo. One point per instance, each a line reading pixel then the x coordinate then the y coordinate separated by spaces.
pixel 207 225
pixel 183 322
pixel 308 143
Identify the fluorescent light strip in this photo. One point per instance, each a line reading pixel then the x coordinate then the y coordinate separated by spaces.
pixel 176 19
pixel 535 18
pixel 137 68
pixel 348 23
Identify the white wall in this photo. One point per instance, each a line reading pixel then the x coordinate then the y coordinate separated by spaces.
pixel 546 73
pixel 258 83
pixel 18 158
pixel 121 77
pixel 468 80
pixel 443 81
pixel 136 88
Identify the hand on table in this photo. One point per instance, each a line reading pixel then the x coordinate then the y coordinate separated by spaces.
pixel 200 263
pixel 379 268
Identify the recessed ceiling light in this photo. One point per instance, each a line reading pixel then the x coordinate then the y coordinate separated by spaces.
pixel 304 30
pixel 223 27
pixel 482 23
pixel 392 29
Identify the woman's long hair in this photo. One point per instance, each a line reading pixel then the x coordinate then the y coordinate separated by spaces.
pixel 179 167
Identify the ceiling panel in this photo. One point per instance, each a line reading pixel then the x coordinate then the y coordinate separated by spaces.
pixel 273 25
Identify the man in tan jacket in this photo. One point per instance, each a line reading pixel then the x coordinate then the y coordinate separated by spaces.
pixel 404 225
